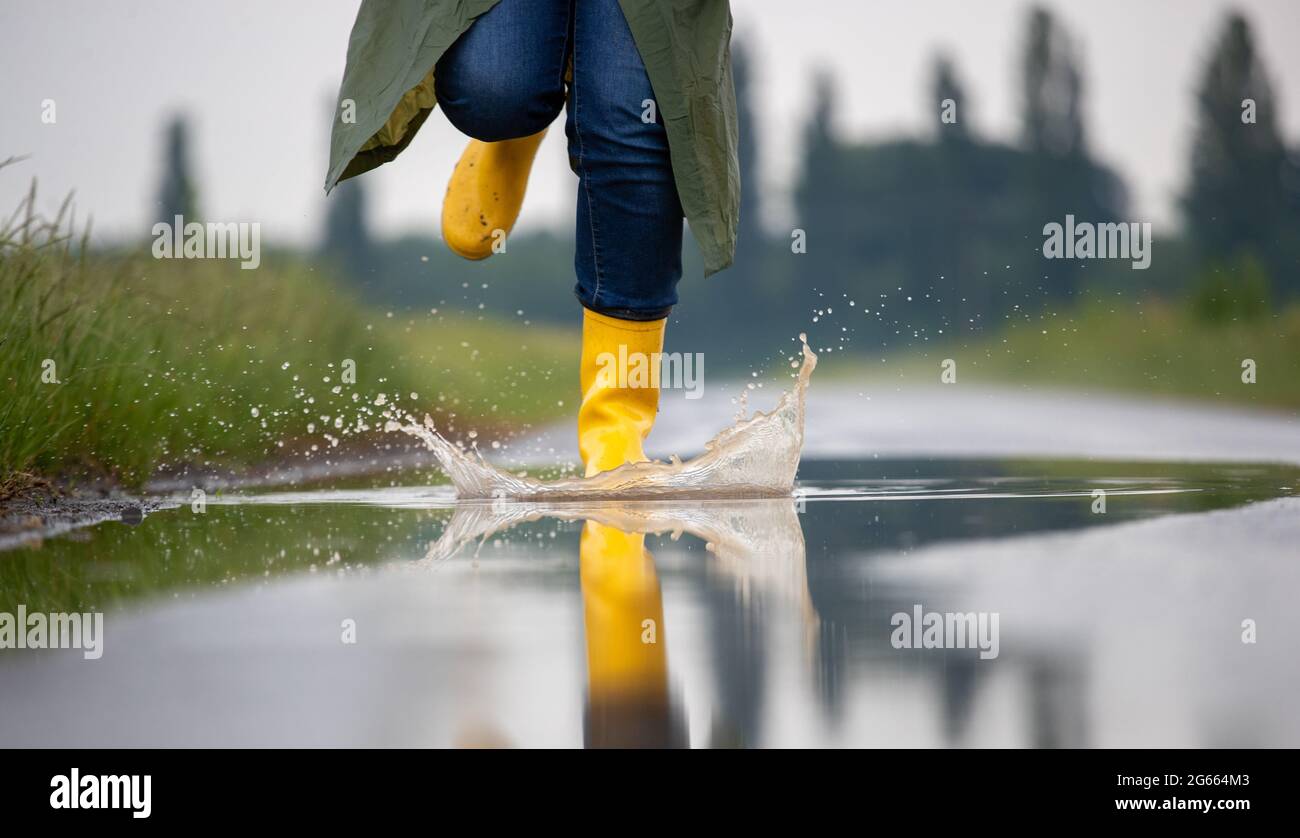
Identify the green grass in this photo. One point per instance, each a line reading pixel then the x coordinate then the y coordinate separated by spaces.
pixel 1151 347
pixel 167 364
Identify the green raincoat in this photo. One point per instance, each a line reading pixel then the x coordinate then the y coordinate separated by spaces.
pixel 387 93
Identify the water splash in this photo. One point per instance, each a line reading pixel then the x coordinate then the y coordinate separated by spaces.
pixel 755 457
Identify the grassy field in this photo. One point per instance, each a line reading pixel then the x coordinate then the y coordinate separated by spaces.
pixel 122 365
pixel 1151 348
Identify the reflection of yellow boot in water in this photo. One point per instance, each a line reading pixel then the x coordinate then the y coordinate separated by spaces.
pixel 613 421
pixel 627 665
pixel 485 194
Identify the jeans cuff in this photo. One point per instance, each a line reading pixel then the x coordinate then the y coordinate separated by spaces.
pixel 622 313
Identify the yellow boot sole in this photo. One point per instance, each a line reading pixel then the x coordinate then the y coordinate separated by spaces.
pixel 485 194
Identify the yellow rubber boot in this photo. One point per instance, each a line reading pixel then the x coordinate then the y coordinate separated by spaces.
pixel 628 701
pixel 620 389
pixel 485 194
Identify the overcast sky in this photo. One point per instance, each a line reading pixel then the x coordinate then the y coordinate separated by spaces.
pixel 258 77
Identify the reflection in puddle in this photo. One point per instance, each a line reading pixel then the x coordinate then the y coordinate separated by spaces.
pixel 757 546
pixel 628 700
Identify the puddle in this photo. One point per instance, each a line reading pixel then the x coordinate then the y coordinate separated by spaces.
pixel 710 623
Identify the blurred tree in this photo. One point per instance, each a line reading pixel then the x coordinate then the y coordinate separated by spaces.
pixel 346 237
pixel 822 216
pixel 819 132
pixel 346 241
pixel 1052 86
pixel 177 194
pixel 749 236
pixel 1058 177
pixel 1241 197
pixel 937 238
pixel 946 88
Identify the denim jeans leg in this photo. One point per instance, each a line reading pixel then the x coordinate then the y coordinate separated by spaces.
pixel 628 255
pixel 503 78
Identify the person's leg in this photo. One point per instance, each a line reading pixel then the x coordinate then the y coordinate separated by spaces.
pixel 502 83
pixel 629 221
pixel 503 79
pixel 629 234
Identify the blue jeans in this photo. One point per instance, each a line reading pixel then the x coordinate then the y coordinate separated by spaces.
pixel 504 79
